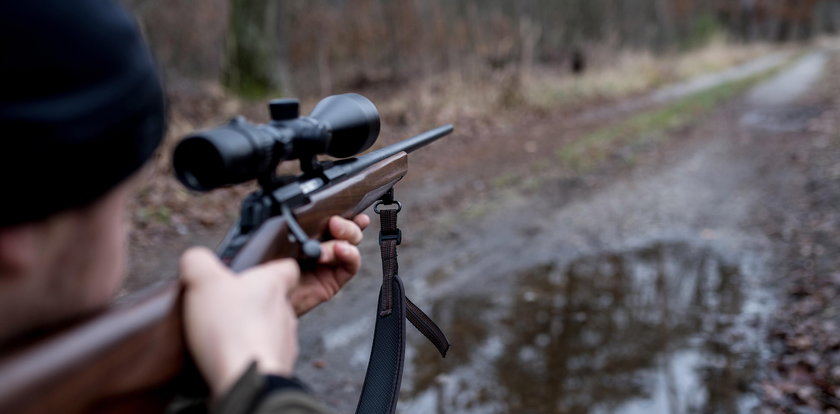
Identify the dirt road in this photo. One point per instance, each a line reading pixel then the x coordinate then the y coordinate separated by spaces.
pixel 632 289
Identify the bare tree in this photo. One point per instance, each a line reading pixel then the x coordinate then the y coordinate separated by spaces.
pixel 251 47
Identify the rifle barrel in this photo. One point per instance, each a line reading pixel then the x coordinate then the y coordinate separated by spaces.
pixel 407 145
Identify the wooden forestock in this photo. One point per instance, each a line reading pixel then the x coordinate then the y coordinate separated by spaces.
pixel 130 357
pixel 346 199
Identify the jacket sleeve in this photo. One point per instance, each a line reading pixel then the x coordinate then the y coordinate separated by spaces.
pixel 255 393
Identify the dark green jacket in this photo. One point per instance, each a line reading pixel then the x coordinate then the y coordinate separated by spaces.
pixel 255 393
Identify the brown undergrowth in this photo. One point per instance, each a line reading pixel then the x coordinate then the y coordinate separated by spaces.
pixel 804 372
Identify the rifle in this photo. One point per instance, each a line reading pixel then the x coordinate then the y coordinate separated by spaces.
pixel 132 357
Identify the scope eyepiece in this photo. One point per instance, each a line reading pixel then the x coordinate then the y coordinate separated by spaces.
pixel 340 126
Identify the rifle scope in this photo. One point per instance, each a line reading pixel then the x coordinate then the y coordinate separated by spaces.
pixel 340 126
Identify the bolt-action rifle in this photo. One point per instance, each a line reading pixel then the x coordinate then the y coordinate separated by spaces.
pixel 132 357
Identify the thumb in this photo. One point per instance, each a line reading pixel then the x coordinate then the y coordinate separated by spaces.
pixel 200 262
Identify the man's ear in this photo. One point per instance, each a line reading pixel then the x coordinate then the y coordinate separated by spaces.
pixel 18 249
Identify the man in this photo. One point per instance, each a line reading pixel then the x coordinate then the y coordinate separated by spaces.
pixel 81 110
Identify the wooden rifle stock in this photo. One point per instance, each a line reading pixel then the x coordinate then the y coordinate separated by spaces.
pixel 132 356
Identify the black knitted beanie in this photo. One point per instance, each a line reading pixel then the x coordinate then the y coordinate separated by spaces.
pixel 81 105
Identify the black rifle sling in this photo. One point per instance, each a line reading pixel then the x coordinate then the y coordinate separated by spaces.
pixel 384 372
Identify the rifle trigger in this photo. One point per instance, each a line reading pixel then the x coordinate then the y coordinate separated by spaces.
pixel 309 248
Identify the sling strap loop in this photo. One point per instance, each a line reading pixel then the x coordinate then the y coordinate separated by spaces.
pixel 427 327
pixel 381 389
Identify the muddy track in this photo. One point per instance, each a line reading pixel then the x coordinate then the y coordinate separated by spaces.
pixel 642 289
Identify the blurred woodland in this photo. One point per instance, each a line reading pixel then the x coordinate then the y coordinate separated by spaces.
pixel 317 47
pixel 482 65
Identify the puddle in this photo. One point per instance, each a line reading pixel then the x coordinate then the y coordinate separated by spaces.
pixel 670 327
pixel 781 119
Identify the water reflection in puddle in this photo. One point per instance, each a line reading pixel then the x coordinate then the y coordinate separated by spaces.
pixel 665 328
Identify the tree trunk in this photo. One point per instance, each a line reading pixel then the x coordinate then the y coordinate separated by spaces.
pixel 251 50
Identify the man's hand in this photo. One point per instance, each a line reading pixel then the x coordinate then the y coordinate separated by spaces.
pixel 339 262
pixel 232 320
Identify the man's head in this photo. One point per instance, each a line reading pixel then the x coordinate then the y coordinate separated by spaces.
pixel 62 266
pixel 81 109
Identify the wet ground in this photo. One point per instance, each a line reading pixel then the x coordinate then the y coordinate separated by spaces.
pixel 655 328
pixel 639 289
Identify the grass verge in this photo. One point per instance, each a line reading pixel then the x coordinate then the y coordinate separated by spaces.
pixel 648 128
